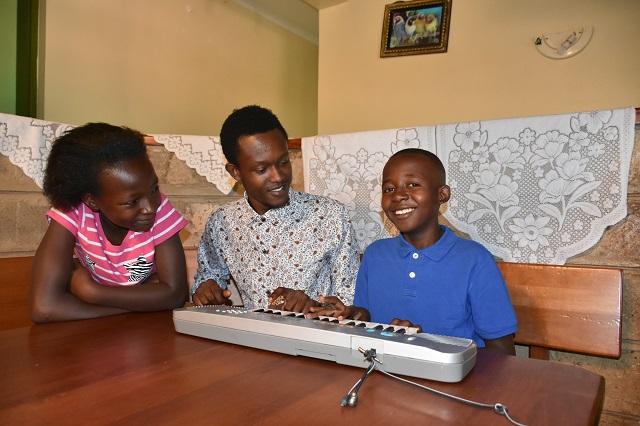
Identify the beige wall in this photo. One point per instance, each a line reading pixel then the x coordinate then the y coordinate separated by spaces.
pixel 492 68
pixel 173 66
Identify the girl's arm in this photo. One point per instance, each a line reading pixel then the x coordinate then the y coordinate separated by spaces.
pixel 165 290
pixel 50 298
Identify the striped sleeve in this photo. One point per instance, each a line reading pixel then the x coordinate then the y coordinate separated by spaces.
pixel 168 222
pixel 68 219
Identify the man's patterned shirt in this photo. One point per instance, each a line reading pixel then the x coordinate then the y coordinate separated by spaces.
pixel 308 245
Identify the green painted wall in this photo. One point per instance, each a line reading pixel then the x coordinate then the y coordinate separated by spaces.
pixel 8 45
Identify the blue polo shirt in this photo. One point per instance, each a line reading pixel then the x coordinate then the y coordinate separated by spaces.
pixel 452 288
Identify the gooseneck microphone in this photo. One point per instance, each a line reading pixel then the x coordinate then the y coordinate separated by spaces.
pixel 351 398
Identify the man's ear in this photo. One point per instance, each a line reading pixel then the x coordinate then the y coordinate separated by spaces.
pixel 444 194
pixel 233 171
pixel 90 201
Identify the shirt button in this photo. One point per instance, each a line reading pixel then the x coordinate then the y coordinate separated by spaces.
pixel 415 255
pixel 412 274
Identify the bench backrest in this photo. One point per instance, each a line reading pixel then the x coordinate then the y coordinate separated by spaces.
pixel 14 288
pixel 566 308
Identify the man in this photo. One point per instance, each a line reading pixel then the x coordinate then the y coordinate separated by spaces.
pixel 284 248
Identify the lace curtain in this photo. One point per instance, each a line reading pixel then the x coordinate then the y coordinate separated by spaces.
pixel 533 189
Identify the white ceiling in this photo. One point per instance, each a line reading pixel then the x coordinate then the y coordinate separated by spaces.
pixel 297 16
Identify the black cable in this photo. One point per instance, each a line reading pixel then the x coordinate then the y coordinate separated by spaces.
pixel 351 398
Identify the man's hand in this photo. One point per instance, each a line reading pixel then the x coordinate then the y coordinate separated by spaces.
pixel 405 323
pixel 331 306
pixel 286 299
pixel 210 293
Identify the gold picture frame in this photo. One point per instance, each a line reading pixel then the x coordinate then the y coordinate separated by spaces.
pixel 415 28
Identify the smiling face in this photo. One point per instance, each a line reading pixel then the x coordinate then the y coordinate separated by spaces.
pixel 128 199
pixel 263 169
pixel 413 188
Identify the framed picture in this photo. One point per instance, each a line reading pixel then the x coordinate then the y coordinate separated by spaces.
pixel 415 27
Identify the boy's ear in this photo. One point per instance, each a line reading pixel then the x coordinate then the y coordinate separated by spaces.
pixel 444 194
pixel 233 171
pixel 90 201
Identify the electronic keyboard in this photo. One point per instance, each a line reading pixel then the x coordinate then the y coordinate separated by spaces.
pixel 400 349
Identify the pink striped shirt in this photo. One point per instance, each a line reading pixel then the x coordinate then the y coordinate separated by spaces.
pixel 129 263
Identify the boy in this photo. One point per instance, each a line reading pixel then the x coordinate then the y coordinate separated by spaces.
pixel 283 248
pixel 447 284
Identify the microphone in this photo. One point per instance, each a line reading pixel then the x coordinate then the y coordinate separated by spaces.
pixel 351 398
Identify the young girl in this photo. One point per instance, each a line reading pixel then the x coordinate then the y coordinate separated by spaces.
pixel 109 212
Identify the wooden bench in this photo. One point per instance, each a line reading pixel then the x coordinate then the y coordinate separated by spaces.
pixel 14 292
pixel 565 308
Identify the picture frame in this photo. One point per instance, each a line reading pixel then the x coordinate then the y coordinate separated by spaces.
pixel 415 28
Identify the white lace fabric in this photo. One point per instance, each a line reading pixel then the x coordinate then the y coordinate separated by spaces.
pixel 538 189
pixel 27 142
pixel 532 189
pixel 203 154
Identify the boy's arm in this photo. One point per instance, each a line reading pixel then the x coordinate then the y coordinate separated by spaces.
pixel 503 345
pixel 165 290
pixel 492 311
pixel 49 296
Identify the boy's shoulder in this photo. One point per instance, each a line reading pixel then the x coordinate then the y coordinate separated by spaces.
pixel 465 243
pixel 381 246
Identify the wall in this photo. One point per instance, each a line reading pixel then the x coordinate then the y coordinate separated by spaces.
pixel 173 66
pixel 491 70
pixel 8 40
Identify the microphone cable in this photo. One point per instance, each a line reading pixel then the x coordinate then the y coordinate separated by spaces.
pixel 351 398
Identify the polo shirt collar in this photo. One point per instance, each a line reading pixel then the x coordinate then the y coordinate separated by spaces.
pixel 434 252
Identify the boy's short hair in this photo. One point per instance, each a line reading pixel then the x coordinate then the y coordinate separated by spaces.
pixel 430 155
pixel 80 154
pixel 246 121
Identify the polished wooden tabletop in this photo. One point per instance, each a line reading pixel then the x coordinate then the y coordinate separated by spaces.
pixel 135 369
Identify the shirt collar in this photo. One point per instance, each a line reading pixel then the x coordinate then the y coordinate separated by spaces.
pixel 281 214
pixel 434 252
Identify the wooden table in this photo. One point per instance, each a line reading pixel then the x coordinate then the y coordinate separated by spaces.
pixel 135 369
